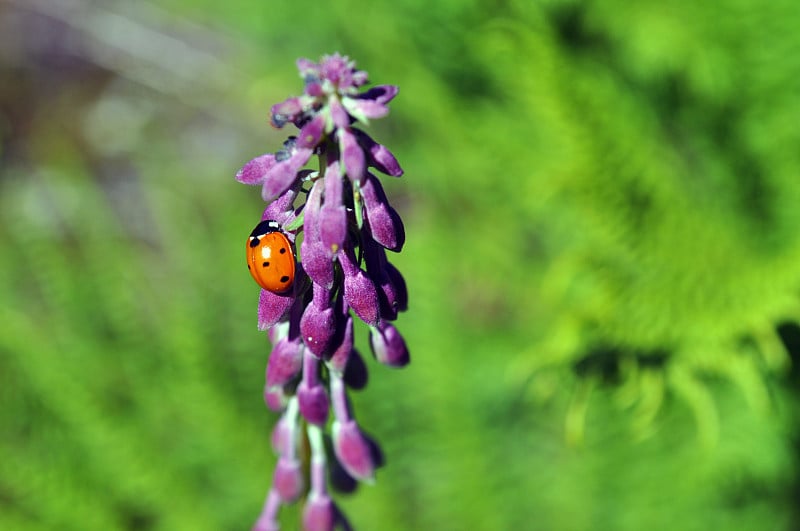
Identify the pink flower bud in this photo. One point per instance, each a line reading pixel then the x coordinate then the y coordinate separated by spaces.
pixel 353 451
pixel 319 513
pixel 313 402
pixel 388 345
pixel 288 479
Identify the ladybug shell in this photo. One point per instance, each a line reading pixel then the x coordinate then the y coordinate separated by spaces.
pixel 270 258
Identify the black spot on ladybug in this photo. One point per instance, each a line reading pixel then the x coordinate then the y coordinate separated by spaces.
pixel 265 264
pixel 248 266
pixel 254 242
pixel 284 279
pixel 283 250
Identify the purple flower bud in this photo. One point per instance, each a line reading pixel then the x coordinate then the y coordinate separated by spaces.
pixel 272 307
pixel 317 263
pixel 378 155
pixel 359 291
pixel 364 109
pixel 333 215
pixel 316 260
pixel 388 345
pixel 319 513
pixel 254 171
pixel 355 374
pixel 338 113
pixel 288 110
pixel 282 208
pixel 288 479
pixel 399 284
pixel 352 155
pixel 375 257
pixel 282 175
pixel 275 398
pixel 285 362
pixel 282 436
pixel 313 87
pixel 385 224
pixel 318 323
pixel 380 93
pixel 311 395
pixel 312 132
pixel 314 403
pixel 307 66
pixel 337 69
pixel 353 451
pixel 338 360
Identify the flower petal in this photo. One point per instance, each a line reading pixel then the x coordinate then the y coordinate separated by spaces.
pixel 333 215
pixel 254 172
pixel 282 208
pixel 281 176
pixel 385 223
pixel 318 327
pixel 399 283
pixel 288 479
pixel 338 113
pixel 312 132
pixel 319 513
pixel 388 345
pixel 380 93
pixel 313 402
pixel 378 155
pixel 365 110
pixel 275 398
pixel 352 450
pixel 272 308
pixel 316 260
pixel 339 357
pixel 359 291
pixel 285 362
pixel 352 155
pixel 286 111
pixel 375 258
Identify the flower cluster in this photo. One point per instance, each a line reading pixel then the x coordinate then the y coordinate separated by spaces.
pixel 340 215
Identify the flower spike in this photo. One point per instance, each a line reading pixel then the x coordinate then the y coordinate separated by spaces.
pixel 335 224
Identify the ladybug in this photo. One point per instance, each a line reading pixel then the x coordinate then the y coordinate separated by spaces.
pixel 270 258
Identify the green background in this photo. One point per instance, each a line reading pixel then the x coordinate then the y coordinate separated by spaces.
pixel 603 260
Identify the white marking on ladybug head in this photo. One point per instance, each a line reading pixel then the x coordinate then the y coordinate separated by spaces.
pixel 266 252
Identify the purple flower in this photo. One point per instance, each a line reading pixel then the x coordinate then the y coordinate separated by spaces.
pixel 333 214
pixel 288 479
pixel 359 291
pixel 341 355
pixel 311 395
pixel 385 224
pixel 317 261
pixel 285 362
pixel 378 155
pixel 388 345
pixel 319 514
pixel 353 451
pixel 318 323
pixel 343 227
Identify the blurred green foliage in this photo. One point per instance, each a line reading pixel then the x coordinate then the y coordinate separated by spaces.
pixel 603 262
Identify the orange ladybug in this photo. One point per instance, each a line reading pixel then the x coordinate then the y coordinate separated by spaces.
pixel 270 258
